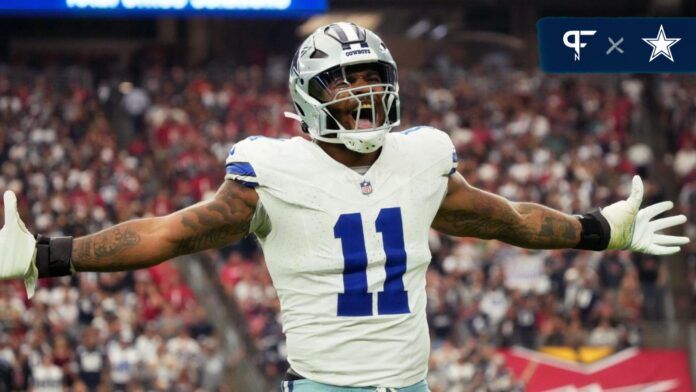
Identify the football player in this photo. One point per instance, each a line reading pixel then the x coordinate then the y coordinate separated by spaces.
pixel 343 220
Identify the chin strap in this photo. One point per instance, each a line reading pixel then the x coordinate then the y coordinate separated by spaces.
pixel 332 140
pixel 351 139
pixel 297 118
pixel 293 116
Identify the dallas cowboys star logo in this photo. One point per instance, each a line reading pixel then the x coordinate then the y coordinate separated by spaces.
pixel 661 45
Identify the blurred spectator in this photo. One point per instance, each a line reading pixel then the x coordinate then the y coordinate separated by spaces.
pixel 651 276
pixel 135 102
pixel 91 360
pixel 123 362
pixel 46 377
pixel 603 335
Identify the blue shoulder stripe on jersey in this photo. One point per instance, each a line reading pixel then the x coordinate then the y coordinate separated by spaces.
pixel 240 169
pixel 454 163
pixel 414 129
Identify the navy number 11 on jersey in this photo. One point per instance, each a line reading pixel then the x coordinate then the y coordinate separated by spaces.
pixel 356 300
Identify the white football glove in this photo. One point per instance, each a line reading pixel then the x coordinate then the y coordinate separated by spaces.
pixel 17 247
pixel 632 228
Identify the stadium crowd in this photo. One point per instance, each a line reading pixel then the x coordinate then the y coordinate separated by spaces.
pixel 569 143
pixel 116 331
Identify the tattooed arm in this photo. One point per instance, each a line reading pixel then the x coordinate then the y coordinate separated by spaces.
pixel 142 243
pixel 470 212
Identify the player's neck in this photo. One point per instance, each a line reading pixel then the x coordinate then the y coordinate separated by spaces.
pixel 347 157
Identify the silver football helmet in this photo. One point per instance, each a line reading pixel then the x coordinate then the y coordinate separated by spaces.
pixel 319 80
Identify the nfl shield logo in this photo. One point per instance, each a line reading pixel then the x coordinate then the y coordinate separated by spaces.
pixel 366 187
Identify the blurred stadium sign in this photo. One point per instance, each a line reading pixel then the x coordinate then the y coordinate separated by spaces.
pixel 253 8
pixel 631 369
pixel 368 20
pixel 616 45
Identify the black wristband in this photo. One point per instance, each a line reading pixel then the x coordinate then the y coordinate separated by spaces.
pixel 53 256
pixel 595 231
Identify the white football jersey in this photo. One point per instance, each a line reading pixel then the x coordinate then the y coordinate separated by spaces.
pixel 348 252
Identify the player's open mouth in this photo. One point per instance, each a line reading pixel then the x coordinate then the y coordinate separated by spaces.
pixel 364 118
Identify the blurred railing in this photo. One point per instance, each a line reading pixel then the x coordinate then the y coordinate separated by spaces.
pixel 242 372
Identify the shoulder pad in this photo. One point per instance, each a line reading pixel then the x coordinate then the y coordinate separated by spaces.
pixel 245 157
pixel 434 144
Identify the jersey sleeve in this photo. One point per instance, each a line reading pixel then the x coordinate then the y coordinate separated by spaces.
pixel 239 164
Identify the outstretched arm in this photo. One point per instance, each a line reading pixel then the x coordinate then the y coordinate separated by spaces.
pixel 470 212
pixel 142 243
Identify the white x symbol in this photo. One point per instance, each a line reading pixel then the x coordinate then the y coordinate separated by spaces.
pixel 615 45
